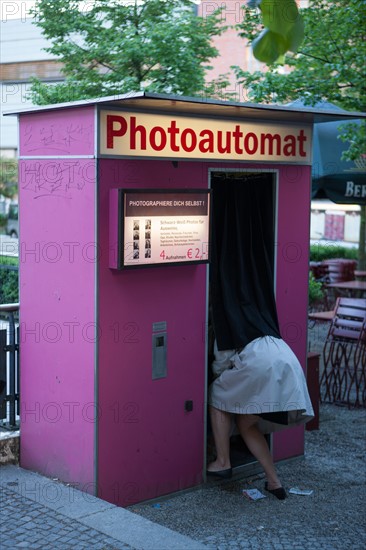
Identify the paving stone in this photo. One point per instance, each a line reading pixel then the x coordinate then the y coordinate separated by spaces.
pixel 57 531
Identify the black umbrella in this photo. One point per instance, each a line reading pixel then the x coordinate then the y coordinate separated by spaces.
pixel 341 181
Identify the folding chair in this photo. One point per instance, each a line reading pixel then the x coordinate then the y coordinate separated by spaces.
pixel 344 354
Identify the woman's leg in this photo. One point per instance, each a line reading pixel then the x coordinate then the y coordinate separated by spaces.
pixel 221 424
pixel 257 444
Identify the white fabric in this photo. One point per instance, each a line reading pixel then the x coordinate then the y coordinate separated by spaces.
pixel 265 377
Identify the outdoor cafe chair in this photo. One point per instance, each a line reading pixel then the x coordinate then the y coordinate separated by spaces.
pixel 344 355
pixel 335 270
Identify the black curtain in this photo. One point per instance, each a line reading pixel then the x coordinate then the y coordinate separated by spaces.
pixel 242 299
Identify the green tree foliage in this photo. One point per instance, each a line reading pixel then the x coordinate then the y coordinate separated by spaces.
pixel 8 177
pixel 330 65
pixel 284 29
pixel 118 47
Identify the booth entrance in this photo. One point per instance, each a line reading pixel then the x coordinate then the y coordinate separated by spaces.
pixel 243 202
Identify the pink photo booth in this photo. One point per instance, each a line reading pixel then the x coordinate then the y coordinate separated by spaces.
pixel 114 255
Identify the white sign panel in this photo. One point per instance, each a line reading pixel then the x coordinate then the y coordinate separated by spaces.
pixel 168 136
pixel 160 227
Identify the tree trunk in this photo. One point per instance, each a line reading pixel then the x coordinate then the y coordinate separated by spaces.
pixel 362 240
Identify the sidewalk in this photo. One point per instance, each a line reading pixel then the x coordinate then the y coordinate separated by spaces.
pixel 37 512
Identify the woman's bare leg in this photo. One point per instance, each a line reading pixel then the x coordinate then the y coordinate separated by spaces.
pixel 221 424
pixel 257 444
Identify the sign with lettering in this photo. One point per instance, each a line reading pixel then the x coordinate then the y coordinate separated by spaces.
pixel 160 227
pixel 341 188
pixel 355 191
pixel 129 134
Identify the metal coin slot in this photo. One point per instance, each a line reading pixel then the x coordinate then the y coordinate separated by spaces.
pixel 159 367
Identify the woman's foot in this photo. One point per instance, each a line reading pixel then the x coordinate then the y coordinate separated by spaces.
pixel 276 489
pixel 217 465
pixel 219 469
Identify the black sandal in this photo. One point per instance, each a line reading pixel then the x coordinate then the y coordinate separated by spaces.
pixel 279 493
pixel 223 474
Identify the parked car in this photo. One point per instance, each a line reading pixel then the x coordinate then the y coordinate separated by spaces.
pixel 12 224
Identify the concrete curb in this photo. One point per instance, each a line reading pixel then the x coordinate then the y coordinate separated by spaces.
pixel 115 522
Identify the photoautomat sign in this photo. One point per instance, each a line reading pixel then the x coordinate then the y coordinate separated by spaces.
pixel 130 134
pixel 163 227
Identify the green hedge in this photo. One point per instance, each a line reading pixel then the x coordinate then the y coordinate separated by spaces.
pixel 9 281
pixel 316 292
pixel 320 252
pixel 3 220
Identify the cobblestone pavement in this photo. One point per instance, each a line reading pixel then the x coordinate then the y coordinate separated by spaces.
pixel 26 524
pixel 38 512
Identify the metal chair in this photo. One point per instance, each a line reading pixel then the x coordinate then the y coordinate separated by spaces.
pixel 344 355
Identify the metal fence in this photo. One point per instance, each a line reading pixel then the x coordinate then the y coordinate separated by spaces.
pixel 9 367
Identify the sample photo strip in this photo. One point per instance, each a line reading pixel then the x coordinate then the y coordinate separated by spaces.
pixel 147 238
pixel 136 238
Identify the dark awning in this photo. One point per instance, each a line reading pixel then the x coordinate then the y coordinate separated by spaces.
pixel 341 189
pixel 341 181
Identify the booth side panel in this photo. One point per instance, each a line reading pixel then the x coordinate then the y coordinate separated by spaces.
pixel 57 318
pixel 149 444
pixel 292 281
pixel 58 133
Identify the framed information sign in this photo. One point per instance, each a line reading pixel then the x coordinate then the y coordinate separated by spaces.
pixel 161 227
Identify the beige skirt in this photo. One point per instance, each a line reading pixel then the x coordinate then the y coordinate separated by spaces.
pixel 265 379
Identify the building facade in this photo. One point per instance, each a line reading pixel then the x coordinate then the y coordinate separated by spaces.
pixel 23 57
